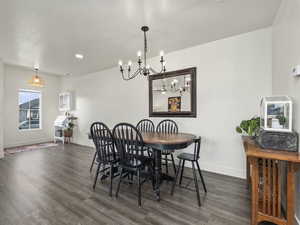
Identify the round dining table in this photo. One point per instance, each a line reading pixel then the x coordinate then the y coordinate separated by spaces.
pixel 159 142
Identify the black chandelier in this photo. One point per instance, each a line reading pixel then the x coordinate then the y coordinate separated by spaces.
pixel 143 68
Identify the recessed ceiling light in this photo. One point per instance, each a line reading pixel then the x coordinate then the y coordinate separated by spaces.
pixel 79 56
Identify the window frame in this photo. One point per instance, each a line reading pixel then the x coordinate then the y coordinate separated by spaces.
pixel 40 110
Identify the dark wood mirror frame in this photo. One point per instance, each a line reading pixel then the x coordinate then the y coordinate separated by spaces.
pixel 190 71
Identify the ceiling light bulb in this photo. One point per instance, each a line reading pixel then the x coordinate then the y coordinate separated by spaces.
pixel 161 53
pixel 36 79
pixel 79 56
pixel 120 63
pixel 129 63
pixel 139 53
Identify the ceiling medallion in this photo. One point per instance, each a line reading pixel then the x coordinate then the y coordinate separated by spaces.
pixel 143 68
pixel 36 81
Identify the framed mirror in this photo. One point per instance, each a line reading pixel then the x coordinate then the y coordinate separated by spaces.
pixel 173 94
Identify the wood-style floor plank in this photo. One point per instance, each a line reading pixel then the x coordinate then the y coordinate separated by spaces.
pixel 54 187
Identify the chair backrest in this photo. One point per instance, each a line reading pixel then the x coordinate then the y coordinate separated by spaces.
pixel 103 140
pixel 145 125
pixel 129 142
pixel 197 146
pixel 167 127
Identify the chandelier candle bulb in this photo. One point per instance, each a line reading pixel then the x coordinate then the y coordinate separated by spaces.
pixel 143 67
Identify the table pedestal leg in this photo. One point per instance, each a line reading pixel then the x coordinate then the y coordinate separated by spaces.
pixel 157 173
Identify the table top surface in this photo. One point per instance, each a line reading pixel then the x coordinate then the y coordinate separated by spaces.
pixel 253 150
pixel 160 138
pixel 164 141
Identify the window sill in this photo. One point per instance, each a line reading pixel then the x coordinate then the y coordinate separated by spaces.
pixel 28 130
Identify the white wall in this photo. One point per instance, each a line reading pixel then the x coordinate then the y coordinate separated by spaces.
pixel 232 75
pixel 1 107
pixel 286 54
pixel 17 78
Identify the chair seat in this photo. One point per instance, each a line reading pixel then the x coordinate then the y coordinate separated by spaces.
pixel 187 156
pixel 138 162
pixel 111 159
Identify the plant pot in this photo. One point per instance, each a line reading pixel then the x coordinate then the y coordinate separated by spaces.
pixel 68 133
pixel 248 136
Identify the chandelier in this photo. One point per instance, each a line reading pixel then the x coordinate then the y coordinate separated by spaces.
pixel 181 88
pixel 36 81
pixel 175 86
pixel 143 68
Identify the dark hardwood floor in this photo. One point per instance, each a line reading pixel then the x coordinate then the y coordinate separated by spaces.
pixel 54 187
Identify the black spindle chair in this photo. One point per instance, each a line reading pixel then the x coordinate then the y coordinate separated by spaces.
pixel 105 151
pixel 168 127
pixel 145 125
pixel 130 147
pixel 193 158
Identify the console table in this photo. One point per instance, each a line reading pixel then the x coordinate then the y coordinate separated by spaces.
pixel 265 168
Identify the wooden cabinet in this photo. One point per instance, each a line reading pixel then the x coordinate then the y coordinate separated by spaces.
pixel 264 172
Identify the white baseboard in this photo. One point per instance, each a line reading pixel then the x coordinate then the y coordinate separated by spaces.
pixel 220 169
pixel 297 220
pixel 29 142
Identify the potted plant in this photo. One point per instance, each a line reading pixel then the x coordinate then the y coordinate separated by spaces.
pixel 68 132
pixel 249 127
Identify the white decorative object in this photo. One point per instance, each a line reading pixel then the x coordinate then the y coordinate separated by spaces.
pixel 65 101
pixel 60 124
pixel 276 113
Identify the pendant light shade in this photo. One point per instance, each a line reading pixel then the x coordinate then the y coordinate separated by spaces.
pixel 36 81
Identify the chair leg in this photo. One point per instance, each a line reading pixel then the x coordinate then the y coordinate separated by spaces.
pixel 181 175
pixel 196 184
pixel 173 162
pixel 91 168
pixel 176 176
pixel 167 167
pixel 96 177
pixel 111 179
pixel 139 188
pixel 201 177
pixel 119 183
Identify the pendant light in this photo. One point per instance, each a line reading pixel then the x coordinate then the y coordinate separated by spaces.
pixel 36 81
pixel 143 68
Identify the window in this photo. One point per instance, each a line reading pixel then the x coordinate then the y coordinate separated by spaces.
pixel 29 110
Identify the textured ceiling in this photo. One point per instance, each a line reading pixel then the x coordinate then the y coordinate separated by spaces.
pixel 50 33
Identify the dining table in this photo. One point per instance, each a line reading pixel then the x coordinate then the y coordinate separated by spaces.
pixel 159 142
